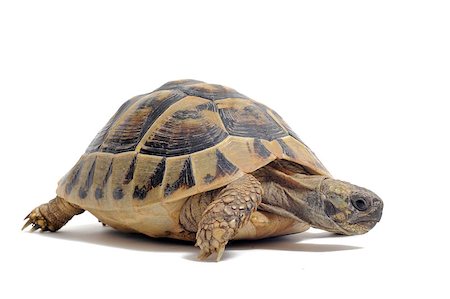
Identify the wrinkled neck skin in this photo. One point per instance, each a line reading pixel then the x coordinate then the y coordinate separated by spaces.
pixel 295 195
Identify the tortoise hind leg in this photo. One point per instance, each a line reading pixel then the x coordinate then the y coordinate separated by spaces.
pixel 53 215
pixel 223 217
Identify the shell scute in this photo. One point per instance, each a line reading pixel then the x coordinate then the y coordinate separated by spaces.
pixel 245 118
pixel 189 126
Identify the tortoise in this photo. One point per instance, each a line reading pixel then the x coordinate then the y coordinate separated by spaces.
pixel 202 162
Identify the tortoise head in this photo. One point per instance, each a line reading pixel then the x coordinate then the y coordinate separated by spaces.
pixel 347 209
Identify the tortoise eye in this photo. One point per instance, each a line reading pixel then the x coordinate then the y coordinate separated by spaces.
pixel 360 203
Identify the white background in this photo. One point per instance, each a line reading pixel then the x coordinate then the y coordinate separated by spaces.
pixel 364 83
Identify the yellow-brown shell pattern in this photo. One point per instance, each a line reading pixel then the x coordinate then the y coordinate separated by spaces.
pixel 184 138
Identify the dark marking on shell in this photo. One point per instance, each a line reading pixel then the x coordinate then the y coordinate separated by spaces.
pixel 159 108
pixel 98 193
pixel 286 149
pixel 75 176
pixel 185 180
pixel 140 192
pixel 260 149
pixel 130 174
pixel 207 106
pixel 249 149
pixel 99 190
pixel 155 180
pixel 118 193
pixel 185 132
pixel 191 142
pixel 100 138
pixel 186 114
pixel 83 191
pixel 208 178
pixel 224 166
pixel 108 174
pixel 251 121
pixel 130 131
pixel 158 175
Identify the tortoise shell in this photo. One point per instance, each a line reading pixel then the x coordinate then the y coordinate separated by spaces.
pixel 185 138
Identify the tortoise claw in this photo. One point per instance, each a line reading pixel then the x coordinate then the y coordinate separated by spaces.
pixel 206 252
pixel 34 228
pixel 220 253
pixel 37 221
pixel 27 223
pixel 209 247
pixel 203 255
pixel 26 217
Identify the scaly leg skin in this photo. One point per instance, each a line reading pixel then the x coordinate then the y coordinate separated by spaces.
pixel 223 217
pixel 52 216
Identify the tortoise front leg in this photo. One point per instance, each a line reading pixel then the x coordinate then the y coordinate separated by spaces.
pixel 224 216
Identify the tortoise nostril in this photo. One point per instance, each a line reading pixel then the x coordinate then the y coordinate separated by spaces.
pixel 360 204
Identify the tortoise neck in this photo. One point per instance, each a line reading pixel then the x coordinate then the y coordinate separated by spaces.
pixel 294 195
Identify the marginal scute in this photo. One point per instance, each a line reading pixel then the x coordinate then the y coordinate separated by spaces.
pixel 130 174
pixel 118 182
pixel 224 166
pixel 242 153
pixel 260 149
pixel 73 177
pixel 185 179
pixel 85 188
pixel 149 175
pixel 102 174
pixel 286 149
pixel 295 151
pixel 212 169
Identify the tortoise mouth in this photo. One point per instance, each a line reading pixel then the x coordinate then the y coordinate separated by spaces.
pixel 357 227
pixel 361 227
pixel 373 217
pixel 369 224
